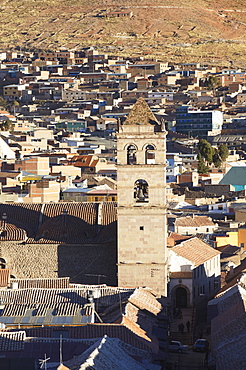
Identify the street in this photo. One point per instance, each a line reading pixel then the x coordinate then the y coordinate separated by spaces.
pixel 188 361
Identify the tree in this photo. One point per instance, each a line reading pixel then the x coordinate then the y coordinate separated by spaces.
pixel 223 152
pixel 3 102
pixel 212 83
pixel 202 168
pixel 206 150
pixel 15 104
pixel 6 125
pixel 216 159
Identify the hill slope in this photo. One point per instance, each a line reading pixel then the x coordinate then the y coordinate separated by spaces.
pixel 188 30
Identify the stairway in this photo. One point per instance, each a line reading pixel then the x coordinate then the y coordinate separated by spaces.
pixel 185 338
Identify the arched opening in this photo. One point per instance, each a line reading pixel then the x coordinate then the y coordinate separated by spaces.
pixel 131 154
pixel 181 297
pixel 2 263
pixel 149 154
pixel 141 191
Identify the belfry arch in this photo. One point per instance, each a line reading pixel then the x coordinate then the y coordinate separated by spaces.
pixel 149 154
pixel 131 154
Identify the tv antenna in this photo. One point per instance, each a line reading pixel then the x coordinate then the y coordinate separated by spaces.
pixel 43 362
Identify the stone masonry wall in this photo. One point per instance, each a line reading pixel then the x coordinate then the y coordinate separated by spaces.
pixel 82 263
pixel 30 260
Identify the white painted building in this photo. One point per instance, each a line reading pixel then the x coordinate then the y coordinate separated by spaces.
pixel 172 172
pixel 220 207
pixel 193 225
pixel 194 270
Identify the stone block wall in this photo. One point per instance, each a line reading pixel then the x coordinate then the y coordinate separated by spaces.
pixel 145 275
pixel 82 263
pixel 30 260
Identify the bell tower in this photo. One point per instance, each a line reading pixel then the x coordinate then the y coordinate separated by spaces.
pixel 141 183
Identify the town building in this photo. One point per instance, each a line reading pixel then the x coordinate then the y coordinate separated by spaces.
pixel 198 123
pixel 193 225
pixel 194 271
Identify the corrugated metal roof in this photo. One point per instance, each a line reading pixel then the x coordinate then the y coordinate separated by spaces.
pixel 235 176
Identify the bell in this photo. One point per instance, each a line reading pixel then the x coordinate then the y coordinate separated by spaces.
pixel 140 194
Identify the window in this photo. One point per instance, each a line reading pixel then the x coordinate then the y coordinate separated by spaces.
pixel 131 154
pixel 149 154
pixel 141 228
pixel 2 263
pixel 141 191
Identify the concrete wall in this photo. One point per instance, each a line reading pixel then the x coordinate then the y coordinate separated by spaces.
pixel 185 230
pixel 242 238
pixel 230 238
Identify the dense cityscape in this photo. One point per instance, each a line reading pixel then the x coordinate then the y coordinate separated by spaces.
pixel 122 214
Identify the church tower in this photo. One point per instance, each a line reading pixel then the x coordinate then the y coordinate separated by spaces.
pixel 141 183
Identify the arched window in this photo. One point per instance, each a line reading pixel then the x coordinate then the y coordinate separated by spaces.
pixel 141 191
pixel 2 263
pixel 131 154
pixel 149 154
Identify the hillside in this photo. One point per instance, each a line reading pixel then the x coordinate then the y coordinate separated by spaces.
pixel 188 30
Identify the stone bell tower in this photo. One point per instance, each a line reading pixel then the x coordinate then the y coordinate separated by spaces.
pixel 141 183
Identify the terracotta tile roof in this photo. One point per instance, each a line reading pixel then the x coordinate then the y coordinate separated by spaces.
pixel 153 342
pixel 11 175
pixel 85 160
pixel 4 277
pixel 195 221
pixel 181 275
pixel 85 211
pixel 238 270
pixel 13 232
pixel 109 212
pixel 145 300
pixel 112 351
pixel 53 297
pixel 230 284
pixel 91 331
pixel 141 318
pixel 102 192
pixel 67 229
pixel 109 351
pixel 175 238
pixel 195 250
pixel 24 213
pixel 57 283
pixel 107 234
pixel 46 223
pixel 12 341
